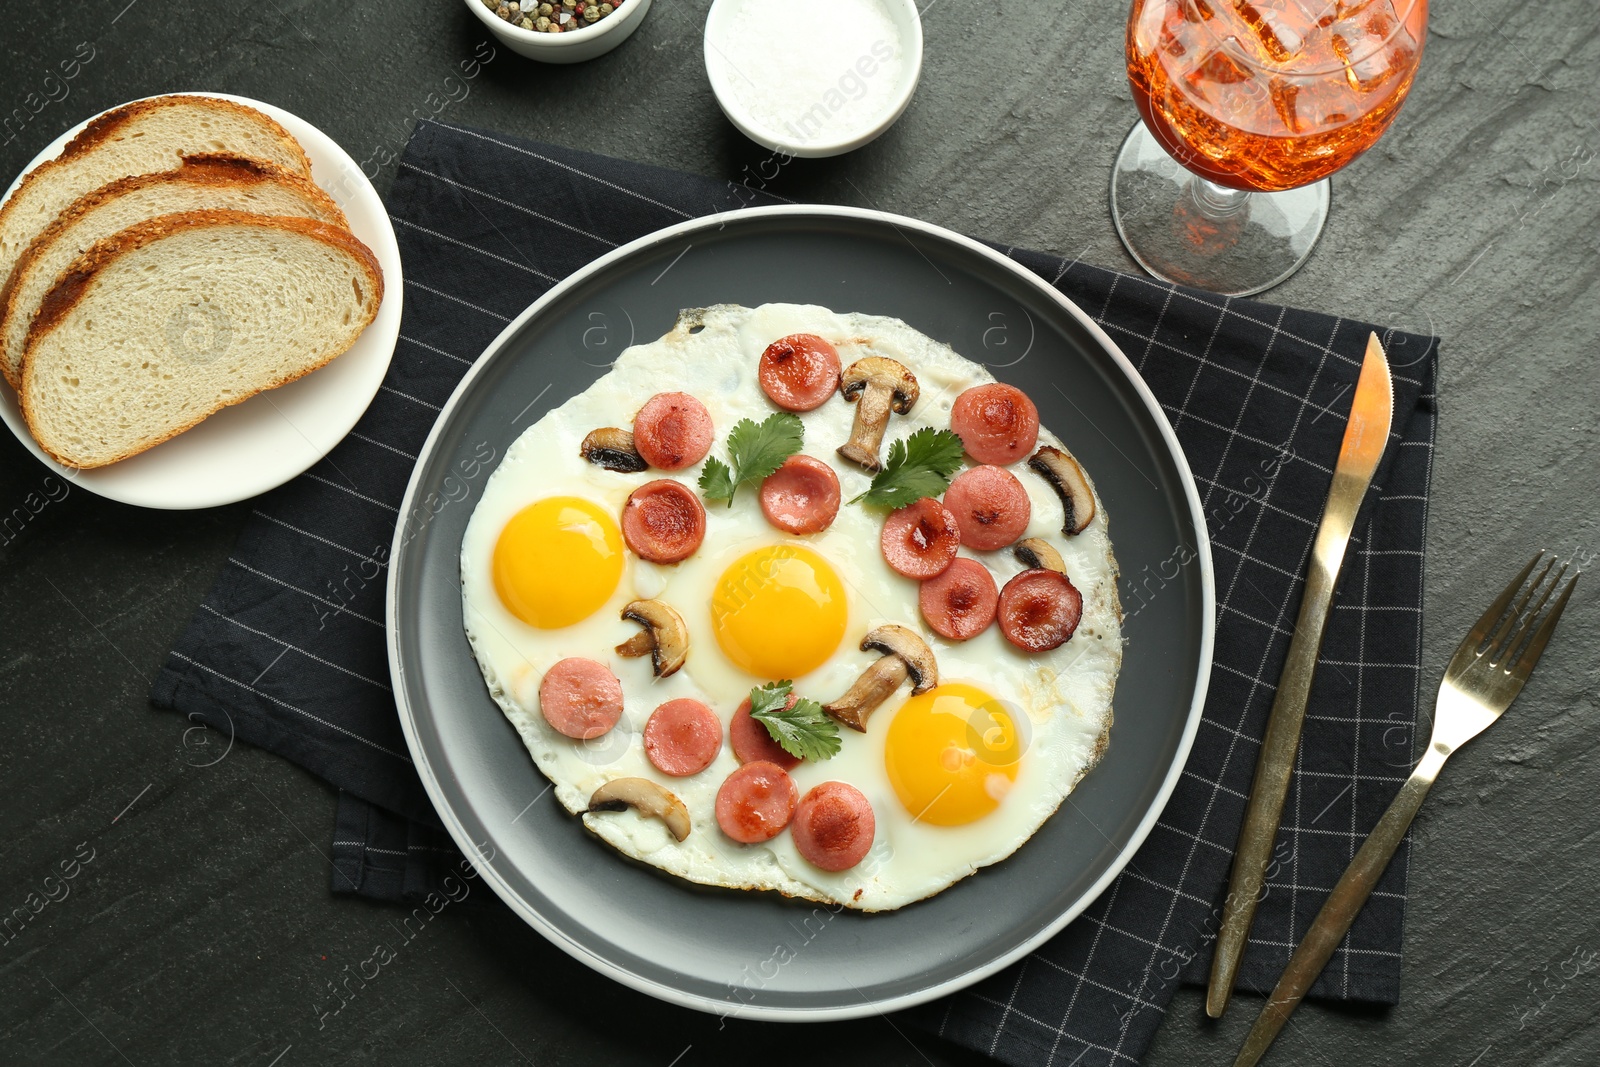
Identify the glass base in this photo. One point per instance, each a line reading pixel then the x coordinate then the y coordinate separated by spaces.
pixel 1184 229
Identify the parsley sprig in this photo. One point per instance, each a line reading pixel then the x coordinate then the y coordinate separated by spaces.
pixel 920 465
pixel 756 449
pixel 804 731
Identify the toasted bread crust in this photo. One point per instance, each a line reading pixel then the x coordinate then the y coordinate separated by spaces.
pixel 103 126
pixel 215 169
pixel 81 275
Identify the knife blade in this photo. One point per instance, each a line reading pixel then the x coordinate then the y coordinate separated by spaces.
pixel 1365 434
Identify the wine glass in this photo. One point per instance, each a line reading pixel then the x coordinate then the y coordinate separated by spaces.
pixel 1248 106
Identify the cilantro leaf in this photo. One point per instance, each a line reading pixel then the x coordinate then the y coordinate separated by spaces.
pixel 804 731
pixel 716 480
pixel 774 696
pixel 756 449
pixel 920 465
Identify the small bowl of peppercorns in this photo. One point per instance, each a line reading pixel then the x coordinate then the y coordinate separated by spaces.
pixel 560 31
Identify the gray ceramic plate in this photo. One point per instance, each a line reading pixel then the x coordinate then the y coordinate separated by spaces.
pixel 759 955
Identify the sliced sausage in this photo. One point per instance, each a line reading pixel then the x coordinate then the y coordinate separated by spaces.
pixel 672 431
pixel 752 741
pixel 682 737
pixel 1039 610
pixel 991 507
pixel 802 496
pixel 833 826
pixel 756 802
pixel 663 521
pixel 960 603
pixel 997 423
pixel 920 539
pixel 799 372
pixel 580 698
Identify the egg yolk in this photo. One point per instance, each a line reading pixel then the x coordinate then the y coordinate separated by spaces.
pixel 952 754
pixel 557 561
pixel 779 612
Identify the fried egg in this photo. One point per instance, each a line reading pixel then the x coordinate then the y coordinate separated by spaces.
pixel 958 777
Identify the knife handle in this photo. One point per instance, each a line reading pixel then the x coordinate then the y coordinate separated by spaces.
pixel 1344 903
pixel 1274 766
pixel 1262 816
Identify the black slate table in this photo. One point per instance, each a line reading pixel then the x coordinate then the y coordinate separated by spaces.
pixel 200 928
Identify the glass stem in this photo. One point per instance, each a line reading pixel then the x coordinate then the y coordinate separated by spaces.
pixel 1217 201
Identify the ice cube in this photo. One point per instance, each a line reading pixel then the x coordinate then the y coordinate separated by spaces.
pixel 1231 92
pixel 1375 49
pixel 1346 9
pixel 1178 34
pixel 1285 93
pixel 1388 22
pixel 1168 27
pixel 1280 26
pixel 1379 16
pixel 1322 104
pixel 1216 66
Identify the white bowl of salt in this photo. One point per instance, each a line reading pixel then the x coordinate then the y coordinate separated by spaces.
pixel 813 78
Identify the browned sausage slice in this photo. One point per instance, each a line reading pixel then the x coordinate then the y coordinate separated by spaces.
pixel 802 496
pixel 663 521
pixel 672 431
pixel 756 802
pixel 682 737
pixel 752 741
pixel 1039 610
pixel 960 603
pixel 990 506
pixel 580 698
pixel 920 539
pixel 997 423
pixel 833 826
pixel 799 372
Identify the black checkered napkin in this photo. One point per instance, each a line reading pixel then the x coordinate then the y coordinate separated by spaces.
pixel 288 649
pixel 1257 396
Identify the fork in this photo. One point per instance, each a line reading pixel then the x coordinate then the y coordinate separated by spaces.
pixel 1489 669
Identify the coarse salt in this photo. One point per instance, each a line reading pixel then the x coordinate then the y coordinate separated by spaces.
pixel 811 72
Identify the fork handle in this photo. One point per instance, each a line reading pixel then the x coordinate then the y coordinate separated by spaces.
pixel 1342 907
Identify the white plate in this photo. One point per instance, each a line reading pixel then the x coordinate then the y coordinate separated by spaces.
pixel 246 449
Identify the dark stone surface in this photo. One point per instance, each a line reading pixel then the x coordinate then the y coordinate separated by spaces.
pixel 202 929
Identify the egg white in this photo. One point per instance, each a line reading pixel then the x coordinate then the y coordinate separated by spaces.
pixel 1064 695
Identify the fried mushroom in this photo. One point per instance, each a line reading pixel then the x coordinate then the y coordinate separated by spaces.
pixel 665 637
pixel 1068 480
pixel 878 386
pixel 905 655
pixel 613 449
pixel 645 797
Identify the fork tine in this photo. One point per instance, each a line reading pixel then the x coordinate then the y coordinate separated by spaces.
pixel 1500 653
pixel 1524 663
pixel 1467 651
pixel 1515 616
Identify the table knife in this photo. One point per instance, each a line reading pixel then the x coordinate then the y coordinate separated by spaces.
pixel 1365 435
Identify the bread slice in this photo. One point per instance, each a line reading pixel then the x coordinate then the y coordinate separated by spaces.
pixel 172 319
pixel 137 138
pixel 207 182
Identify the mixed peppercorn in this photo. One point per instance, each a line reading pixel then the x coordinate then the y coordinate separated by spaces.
pixel 552 17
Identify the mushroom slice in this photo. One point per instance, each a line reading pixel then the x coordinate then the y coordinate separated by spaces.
pixel 1036 553
pixel 905 655
pixel 665 638
pixel 645 797
pixel 879 386
pixel 1067 478
pixel 612 448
